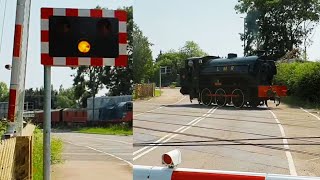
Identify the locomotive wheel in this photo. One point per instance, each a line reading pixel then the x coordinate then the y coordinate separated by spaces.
pixel 205 99
pixel 237 101
pixel 220 97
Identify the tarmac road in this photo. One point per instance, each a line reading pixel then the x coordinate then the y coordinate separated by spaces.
pixel 93 156
pixel 160 119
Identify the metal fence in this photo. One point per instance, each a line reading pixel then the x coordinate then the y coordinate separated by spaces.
pixel 3 110
pixel 28 110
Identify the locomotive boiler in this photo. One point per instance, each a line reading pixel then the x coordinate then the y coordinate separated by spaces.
pixel 236 81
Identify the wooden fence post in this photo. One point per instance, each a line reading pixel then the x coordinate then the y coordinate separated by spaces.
pixel 23 155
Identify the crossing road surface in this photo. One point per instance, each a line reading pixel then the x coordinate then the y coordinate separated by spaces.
pixel 256 142
pixel 92 156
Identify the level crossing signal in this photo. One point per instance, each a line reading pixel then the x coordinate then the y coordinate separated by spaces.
pixel 73 37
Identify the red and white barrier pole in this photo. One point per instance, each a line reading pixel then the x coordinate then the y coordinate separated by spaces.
pixel 173 158
pixel 163 173
pixel 18 72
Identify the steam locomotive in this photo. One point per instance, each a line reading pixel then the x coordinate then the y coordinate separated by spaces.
pixel 237 81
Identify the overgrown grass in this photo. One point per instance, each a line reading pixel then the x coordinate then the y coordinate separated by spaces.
pixel 123 130
pixel 298 102
pixel 56 153
pixel 3 127
pixel 157 93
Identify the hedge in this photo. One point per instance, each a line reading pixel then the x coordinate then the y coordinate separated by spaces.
pixel 301 78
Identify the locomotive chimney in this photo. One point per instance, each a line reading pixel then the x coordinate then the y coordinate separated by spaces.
pixel 232 55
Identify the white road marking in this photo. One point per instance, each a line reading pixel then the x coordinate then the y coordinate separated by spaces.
pixel 135 115
pixel 86 154
pixel 180 100
pixel 119 158
pixel 172 135
pixel 292 167
pixel 310 113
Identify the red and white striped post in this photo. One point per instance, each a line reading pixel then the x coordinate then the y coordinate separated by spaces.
pixel 18 72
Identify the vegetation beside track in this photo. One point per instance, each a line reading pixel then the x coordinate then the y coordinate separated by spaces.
pixel 123 130
pixel 56 153
pixel 3 127
pixel 298 102
pixel 157 93
pixel 303 82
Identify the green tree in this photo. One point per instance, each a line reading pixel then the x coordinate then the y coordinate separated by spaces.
pixel 175 59
pixel 66 98
pixel 36 97
pixel 191 49
pixel 4 92
pixel 279 23
pixel 87 82
pixel 142 56
pixel 119 79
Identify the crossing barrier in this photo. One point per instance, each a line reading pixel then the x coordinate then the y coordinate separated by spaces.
pixel 172 173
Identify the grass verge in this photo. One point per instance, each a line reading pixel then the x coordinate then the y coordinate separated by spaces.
pixel 297 102
pixel 56 153
pixel 3 127
pixel 157 93
pixel 110 130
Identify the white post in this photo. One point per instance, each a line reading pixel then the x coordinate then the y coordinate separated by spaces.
pixel 160 81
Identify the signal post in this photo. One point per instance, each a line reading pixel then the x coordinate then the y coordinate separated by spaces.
pixel 78 37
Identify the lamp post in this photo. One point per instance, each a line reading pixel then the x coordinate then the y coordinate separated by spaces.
pixel 244 35
pixel 160 72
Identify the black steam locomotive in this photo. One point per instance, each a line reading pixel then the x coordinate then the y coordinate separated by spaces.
pixel 234 80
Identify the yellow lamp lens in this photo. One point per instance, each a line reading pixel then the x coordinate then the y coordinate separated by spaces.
pixel 84 46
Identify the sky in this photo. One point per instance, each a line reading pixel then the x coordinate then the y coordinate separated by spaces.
pixel 34 74
pixel 213 24
pixel 168 24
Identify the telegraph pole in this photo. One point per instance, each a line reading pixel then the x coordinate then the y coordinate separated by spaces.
pixel 160 80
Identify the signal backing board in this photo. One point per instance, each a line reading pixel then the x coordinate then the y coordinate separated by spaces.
pixel 92 37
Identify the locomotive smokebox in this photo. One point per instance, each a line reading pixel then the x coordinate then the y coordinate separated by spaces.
pixel 232 55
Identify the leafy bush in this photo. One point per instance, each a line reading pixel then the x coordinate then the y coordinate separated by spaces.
pixel 173 85
pixel 302 79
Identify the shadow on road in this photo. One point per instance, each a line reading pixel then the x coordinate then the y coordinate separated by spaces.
pixel 198 106
pixel 229 108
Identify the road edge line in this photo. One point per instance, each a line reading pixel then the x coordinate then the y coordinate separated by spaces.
pixel 292 167
pixel 317 117
pixel 112 155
